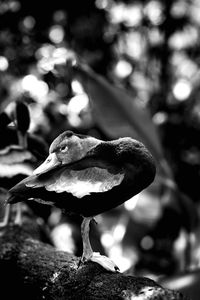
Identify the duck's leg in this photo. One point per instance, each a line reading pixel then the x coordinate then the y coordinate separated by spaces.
pixel 88 253
pixel 87 249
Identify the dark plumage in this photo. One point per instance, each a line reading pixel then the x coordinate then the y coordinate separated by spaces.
pixel 87 176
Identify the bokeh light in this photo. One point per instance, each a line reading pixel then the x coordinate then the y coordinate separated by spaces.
pixel 101 4
pixel 131 203
pixel 77 87
pixel 160 118
pixel 194 12
pixel 154 12
pixel 62 238
pixel 60 16
pixel 155 36
pixel 50 56
pixel 3 63
pixel 37 88
pixel 123 68
pixel 77 104
pixel 9 6
pixel 56 34
pixel 147 242
pixel 185 38
pixel 119 231
pixel 182 90
pixel 116 13
pixel 132 15
pixel 29 22
pixel 107 239
pixel 133 44
pixel 179 8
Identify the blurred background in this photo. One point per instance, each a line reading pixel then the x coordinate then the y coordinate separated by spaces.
pixel 109 69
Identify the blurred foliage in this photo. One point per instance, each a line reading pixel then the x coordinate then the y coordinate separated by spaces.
pixel 150 51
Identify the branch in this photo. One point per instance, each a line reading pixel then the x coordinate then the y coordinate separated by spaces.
pixel 31 269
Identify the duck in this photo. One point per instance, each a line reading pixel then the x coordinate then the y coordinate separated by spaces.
pixel 19 151
pixel 88 176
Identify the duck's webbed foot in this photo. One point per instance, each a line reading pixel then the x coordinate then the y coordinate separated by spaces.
pixel 102 260
pixel 105 262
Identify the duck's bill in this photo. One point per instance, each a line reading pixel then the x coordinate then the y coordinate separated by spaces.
pixel 50 163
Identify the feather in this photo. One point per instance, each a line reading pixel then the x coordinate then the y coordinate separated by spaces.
pixel 79 182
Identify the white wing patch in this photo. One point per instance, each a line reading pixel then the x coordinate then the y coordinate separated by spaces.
pixel 83 182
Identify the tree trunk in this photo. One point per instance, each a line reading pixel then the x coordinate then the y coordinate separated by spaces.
pixel 31 269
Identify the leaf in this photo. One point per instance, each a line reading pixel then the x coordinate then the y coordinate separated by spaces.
pixel 14 160
pixel 4 120
pixel 22 116
pixel 15 154
pixel 10 171
pixel 118 114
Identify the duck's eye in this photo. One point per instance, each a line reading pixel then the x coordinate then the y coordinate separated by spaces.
pixel 64 148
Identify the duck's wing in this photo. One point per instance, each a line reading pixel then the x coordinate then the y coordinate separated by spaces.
pixel 80 179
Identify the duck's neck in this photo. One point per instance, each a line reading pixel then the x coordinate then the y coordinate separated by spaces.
pixel 89 144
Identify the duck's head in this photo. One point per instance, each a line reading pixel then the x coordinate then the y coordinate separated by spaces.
pixel 67 148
